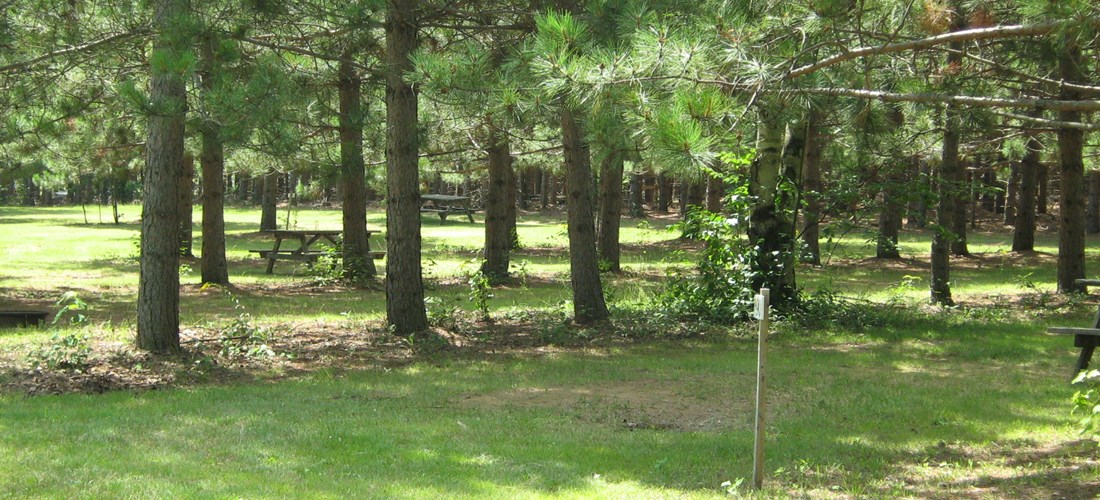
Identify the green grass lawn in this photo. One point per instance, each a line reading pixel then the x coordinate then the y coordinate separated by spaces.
pixel 916 402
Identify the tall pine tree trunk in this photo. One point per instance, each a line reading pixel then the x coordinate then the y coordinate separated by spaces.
pixel 588 300
pixel 812 188
pixel 158 287
pixel 947 191
pixel 185 211
pixel 1092 210
pixel 950 176
pixel 664 193
pixel 358 264
pixel 215 268
pixel 963 202
pixel 498 231
pixel 611 211
pixel 889 220
pixel 715 191
pixel 269 193
pixel 637 208
pixel 1023 235
pixel 1012 195
pixel 405 310
pixel 1071 227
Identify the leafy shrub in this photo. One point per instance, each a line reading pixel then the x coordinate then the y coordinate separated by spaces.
pixel 721 288
pixel 71 309
pixel 480 293
pixel 1087 400
pixel 63 352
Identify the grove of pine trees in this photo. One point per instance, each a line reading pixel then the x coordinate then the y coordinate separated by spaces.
pixel 814 113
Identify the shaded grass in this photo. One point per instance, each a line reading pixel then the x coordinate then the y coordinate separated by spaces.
pixel 914 402
pixel 886 417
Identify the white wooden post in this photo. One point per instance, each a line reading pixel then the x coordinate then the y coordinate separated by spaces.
pixel 761 311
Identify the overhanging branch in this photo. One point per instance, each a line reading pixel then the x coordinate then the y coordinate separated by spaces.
pixel 996 32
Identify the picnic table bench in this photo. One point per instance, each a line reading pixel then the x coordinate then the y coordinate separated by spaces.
pixel 306 238
pixel 444 205
pixel 1085 338
pixel 15 319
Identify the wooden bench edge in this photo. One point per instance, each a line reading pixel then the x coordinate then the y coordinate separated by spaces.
pixel 1069 330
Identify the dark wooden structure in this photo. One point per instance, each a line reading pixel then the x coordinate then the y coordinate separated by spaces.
pixel 306 238
pixel 1085 338
pixel 445 204
pixel 18 319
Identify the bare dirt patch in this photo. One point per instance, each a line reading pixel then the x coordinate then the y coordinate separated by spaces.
pixel 645 403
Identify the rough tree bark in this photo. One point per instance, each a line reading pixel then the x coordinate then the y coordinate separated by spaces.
pixel 358 264
pixel 637 208
pixel 158 287
pixel 1023 235
pixel 948 185
pixel 269 215
pixel 588 300
pixel 664 193
pixel 1012 194
pixel 964 201
pixel 184 196
pixel 611 211
pixel 1092 209
pixel 889 220
pixel 498 232
pixel 405 310
pixel 812 188
pixel 1071 227
pixel 215 268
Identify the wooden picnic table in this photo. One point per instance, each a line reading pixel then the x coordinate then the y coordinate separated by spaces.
pixel 445 204
pixel 1085 338
pixel 306 238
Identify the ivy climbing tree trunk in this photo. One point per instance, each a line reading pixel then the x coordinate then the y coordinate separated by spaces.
pixel 611 211
pixel 358 264
pixel 158 288
pixel 770 229
pixel 588 300
pixel 405 310
pixel 215 268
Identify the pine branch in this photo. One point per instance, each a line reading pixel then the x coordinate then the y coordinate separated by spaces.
pixel 981 102
pixel 1054 124
pixel 996 32
pixel 75 49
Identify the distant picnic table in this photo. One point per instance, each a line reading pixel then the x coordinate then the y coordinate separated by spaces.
pixel 1085 338
pixel 306 238
pixel 444 205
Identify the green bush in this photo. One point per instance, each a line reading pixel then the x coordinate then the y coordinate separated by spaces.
pixel 63 352
pixel 1087 400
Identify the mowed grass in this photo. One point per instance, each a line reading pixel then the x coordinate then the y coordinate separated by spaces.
pixel 967 402
pixel 942 408
pixel 48 251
